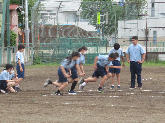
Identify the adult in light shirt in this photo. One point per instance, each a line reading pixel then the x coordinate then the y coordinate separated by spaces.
pixel 135 55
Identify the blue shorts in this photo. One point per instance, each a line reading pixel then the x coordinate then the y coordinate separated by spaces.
pixel 115 70
pixel 62 78
pixel 20 74
pixel 101 71
pixel 3 84
pixel 74 73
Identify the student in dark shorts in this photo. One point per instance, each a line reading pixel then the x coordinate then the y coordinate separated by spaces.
pixel 78 68
pixel 116 62
pixel 20 65
pixel 101 65
pixel 6 84
pixel 66 64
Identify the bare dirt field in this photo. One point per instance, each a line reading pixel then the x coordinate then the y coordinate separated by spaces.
pixel 36 104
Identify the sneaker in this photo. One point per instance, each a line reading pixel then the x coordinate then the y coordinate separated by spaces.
pixel 4 91
pixel 100 90
pixel 112 87
pixel 80 81
pixel 47 82
pixel 132 87
pixel 17 89
pixel 118 87
pixel 103 85
pixel 72 92
pixel 140 86
pixel 81 87
pixel 58 93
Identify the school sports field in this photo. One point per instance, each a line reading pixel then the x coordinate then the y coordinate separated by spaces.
pixel 36 104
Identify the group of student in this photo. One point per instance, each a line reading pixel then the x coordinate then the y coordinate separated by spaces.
pixel 9 81
pixel 105 66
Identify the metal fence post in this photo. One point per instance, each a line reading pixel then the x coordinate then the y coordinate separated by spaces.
pixel 31 55
pixel 0 55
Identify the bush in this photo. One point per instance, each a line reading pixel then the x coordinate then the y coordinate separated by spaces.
pixel 37 60
pixel 13 37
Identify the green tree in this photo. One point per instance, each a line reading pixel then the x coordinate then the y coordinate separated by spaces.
pixel 132 9
pixel 21 16
pixel 13 37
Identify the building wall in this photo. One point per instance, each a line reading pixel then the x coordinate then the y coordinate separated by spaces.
pixel 14 21
pixel 67 14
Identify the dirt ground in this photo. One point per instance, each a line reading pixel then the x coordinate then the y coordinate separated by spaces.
pixel 36 104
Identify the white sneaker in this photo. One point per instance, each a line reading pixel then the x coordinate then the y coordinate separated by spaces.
pixel 3 91
pixel 80 81
pixel 47 82
pixel 81 87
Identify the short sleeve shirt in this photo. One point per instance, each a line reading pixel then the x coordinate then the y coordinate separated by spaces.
pixel 19 56
pixel 12 76
pixel 65 63
pixel 81 59
pixel 119 51
pixel 4 75
pixel 103 60
pixel 135 52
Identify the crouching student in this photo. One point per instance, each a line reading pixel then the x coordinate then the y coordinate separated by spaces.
pixel 101 65
pixel 78 68
pixel 6 84
pixel 66 64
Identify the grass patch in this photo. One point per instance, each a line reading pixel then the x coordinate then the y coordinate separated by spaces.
pixel 148 64
pixel 44 65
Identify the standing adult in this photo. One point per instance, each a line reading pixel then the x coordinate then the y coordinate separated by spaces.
pixel 137 56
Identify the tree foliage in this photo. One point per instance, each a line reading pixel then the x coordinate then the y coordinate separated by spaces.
pixel 13 37
pixel 131 9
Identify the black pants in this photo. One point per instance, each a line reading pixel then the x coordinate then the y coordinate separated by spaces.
pixel 135 68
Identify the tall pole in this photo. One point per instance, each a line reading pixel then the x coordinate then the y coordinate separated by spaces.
pixel 57 24
pixel 26 24
pixel 146 39
pixel 115 26
pixel 8 33
pixel 8 23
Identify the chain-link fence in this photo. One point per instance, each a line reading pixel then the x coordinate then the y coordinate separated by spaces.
pixel 60 27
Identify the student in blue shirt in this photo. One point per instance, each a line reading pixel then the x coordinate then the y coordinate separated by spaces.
pixel 137 56
pixel 78 68
pixel 66 64
pixel 13 76
pixel 116 62
pixel 101 65
pixel 20 65
pixel 5 79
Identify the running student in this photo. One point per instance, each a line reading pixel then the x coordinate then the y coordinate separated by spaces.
pixel 101 64
pixel 137 56
pixel 66 64
pixel 116 62
pixel 5 83
pixel 78 67
pixel 20 65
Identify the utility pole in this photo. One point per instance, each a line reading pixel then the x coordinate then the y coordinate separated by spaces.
pixel 146 38
pixel 26 25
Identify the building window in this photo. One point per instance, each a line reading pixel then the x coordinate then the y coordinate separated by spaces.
pixel 152 8
pixel 153 5
pixel 154 37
